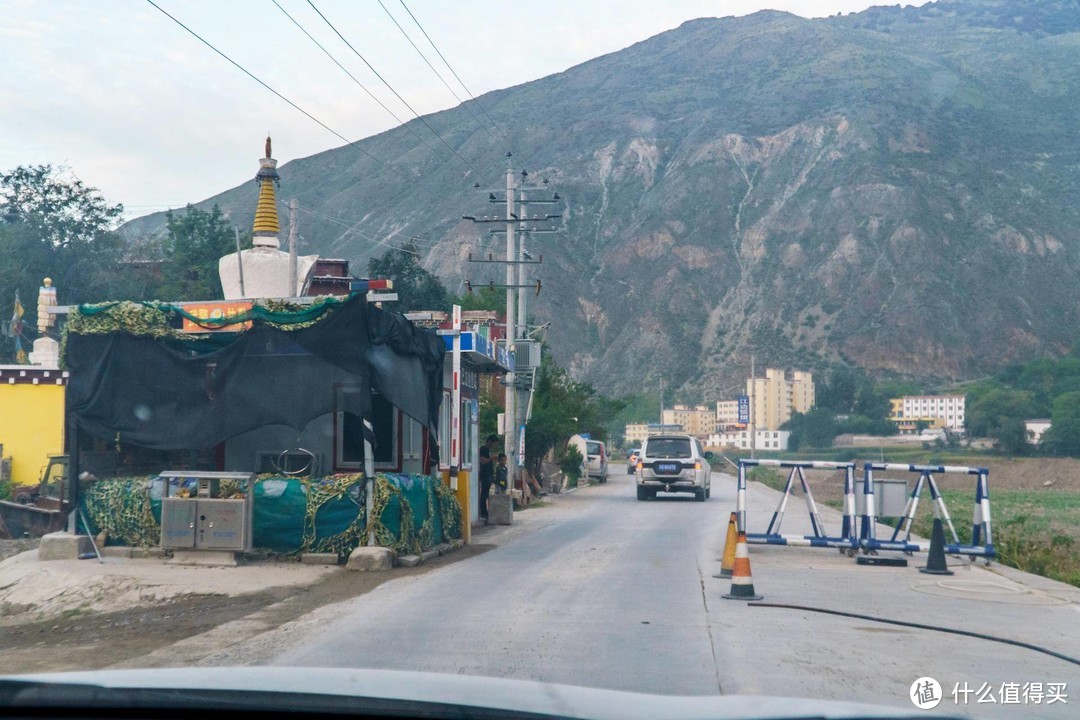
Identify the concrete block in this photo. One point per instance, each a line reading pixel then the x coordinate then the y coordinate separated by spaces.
pixel 147 552
pixel 409 560
pixel 371 559
pixel 499 512
pixel 457 544
pixel 63 546
pixel 203 558
pixel 443 548
pixel 117 551
pixel 428 555
pixel 319 559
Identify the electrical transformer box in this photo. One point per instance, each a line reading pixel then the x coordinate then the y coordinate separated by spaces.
pixel 203 520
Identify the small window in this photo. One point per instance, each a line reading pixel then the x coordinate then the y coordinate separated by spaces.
pixel 349 440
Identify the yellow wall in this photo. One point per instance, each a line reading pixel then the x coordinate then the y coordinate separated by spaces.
pixel 462 494
pixel 31 427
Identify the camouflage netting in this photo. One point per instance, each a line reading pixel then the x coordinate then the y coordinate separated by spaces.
pixel 293 515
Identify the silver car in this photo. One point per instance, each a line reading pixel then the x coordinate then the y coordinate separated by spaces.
pixel 673 463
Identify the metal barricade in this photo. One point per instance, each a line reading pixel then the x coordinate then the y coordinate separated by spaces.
pixel 981 539
pixel 846 540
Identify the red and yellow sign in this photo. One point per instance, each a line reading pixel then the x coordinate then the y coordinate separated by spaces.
pixel 214 312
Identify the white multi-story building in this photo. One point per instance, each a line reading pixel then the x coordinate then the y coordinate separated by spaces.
pixel 935 411
pixel 768 440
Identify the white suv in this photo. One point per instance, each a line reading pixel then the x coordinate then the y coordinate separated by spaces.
pixel 673 463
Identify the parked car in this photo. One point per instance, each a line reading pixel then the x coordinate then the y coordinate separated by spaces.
pixel 631 461
pixel 595 454
pixel 673 463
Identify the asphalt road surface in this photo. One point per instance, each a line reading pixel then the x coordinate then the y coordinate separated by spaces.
pixel 601 590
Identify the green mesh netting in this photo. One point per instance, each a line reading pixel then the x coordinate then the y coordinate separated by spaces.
pixel 294 515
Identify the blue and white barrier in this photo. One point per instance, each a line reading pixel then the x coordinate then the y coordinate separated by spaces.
pixel 981 538
pixel 772 536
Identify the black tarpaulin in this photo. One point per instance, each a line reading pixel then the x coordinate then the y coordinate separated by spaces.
pixel 160 393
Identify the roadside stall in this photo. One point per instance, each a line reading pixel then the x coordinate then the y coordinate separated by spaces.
pixel 308 397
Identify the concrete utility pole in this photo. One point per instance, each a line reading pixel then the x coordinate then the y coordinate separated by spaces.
pixel 753 389
pixel 292 248
pixel 510 439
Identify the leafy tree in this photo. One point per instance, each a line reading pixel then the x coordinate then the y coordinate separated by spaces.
pixel 417 288
pixel 194 243
pixel 814 429
pixel 562 407
pixel 60 211
pixel 1063 437
pixel 56 226
pixel 999 413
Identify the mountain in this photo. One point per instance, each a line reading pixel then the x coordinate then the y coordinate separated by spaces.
pixel 893 189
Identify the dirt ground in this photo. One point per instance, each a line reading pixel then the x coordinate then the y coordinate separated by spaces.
pixel 1005 474
pixel 86 640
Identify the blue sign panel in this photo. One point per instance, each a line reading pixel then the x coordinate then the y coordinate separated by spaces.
pixel 744 409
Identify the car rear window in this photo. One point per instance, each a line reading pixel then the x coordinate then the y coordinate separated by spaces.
pixel 668 448
pixel 593 448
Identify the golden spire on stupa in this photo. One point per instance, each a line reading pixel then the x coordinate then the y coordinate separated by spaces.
pixel 266 228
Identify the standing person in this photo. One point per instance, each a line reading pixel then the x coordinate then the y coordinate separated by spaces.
pixel 487 472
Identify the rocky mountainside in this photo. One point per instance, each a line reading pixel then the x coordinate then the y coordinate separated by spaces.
pixel 893 189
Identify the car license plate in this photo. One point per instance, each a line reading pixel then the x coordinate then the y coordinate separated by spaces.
pixel 666 467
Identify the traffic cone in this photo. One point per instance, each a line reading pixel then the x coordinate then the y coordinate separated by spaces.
pixel 727 561
pixel 935 559
pixel 742 584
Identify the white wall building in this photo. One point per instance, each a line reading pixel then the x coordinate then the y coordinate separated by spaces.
pixel 1035 430
pixel 769 440
pixel 913 408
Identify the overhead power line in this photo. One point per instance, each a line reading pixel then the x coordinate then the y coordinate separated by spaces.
pixel 419 52
pixel 454 72
pixel 363 87
pixel 391 87
pixel 275 92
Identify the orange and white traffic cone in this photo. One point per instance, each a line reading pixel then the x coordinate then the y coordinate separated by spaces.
pixel 727 561
pixel 742 583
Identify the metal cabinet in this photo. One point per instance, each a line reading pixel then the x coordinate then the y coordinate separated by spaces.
pixel 207 521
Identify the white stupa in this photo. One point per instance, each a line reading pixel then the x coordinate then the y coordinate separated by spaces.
pixel 263 270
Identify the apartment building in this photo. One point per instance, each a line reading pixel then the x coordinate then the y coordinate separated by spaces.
pixel 636 432
pixel 727 414
pixel 699 420
pixel 933 411
pixel 768 440
pixel 776 396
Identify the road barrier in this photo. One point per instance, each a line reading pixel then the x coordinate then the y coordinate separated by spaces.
pixel 981 538
pixel 847 540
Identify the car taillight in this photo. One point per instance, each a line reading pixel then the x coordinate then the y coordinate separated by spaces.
pixel 640 465
pixel 697 465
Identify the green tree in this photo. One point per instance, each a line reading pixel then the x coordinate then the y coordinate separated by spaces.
pixel 999 413
pixel 53 225
pixel 562 407
pixel 1063 437
pixel 194 242
pixel 417 288
pixel 814 429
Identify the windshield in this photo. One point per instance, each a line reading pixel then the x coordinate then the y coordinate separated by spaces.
pixel 319 318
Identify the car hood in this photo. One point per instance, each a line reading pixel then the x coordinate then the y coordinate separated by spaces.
pixel 411 694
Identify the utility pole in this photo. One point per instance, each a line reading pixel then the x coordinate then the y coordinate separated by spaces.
pixel 516 304
pixel 753 389
pixel 292 248
pixel 510 441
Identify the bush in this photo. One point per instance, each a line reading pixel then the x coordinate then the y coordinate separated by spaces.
pixel 571 463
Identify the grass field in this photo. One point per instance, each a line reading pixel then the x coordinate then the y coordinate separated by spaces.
pixel 1035 529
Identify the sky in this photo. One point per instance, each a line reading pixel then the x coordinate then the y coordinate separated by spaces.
pixel 129 102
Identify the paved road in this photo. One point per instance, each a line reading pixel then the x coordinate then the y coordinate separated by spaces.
pixel 601 590
pixel 607 592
